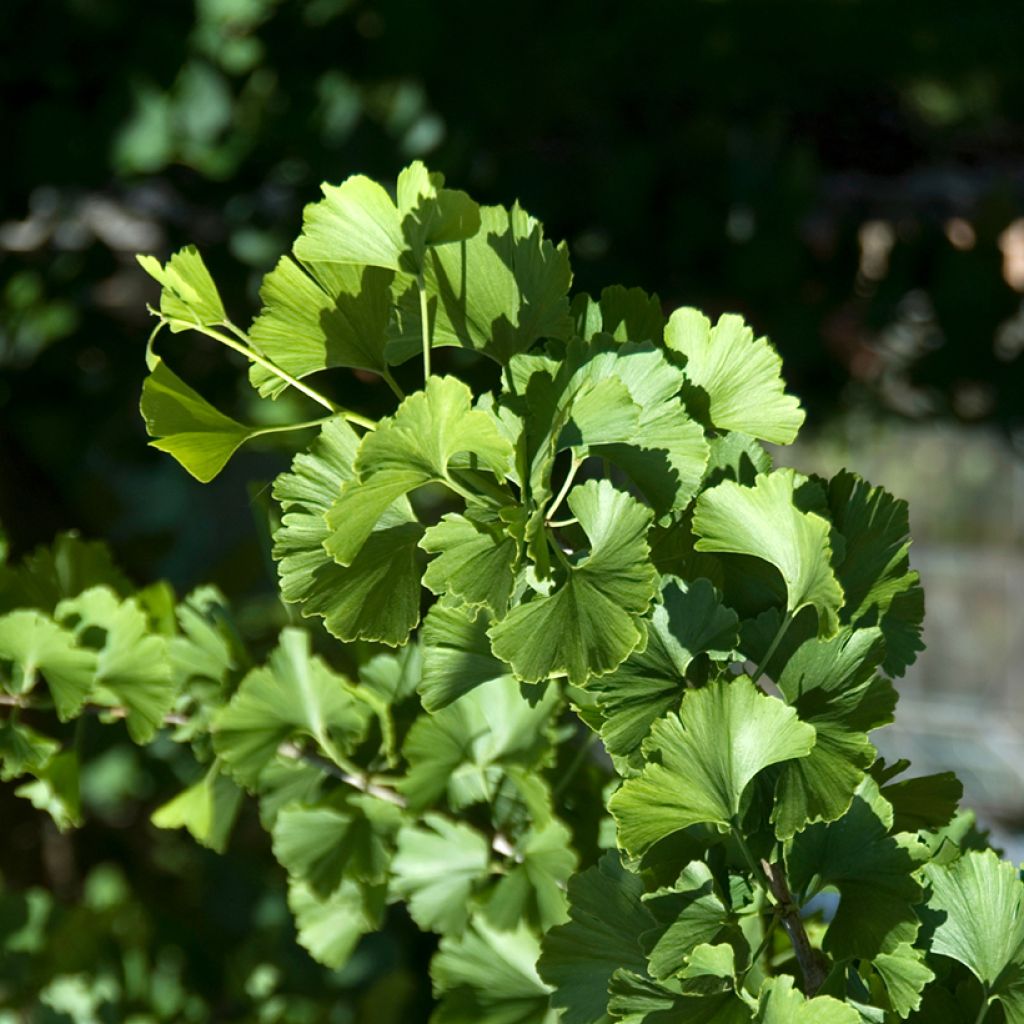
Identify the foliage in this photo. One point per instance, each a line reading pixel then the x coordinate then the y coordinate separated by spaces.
pixel 595 546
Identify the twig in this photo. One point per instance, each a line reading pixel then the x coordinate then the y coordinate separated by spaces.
pixel 811 965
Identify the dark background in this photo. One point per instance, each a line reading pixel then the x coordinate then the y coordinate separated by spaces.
pixel 848 175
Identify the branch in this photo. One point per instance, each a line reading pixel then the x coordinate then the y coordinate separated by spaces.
pixel 809 959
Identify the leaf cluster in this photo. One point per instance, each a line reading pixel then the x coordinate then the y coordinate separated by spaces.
pixel 598 545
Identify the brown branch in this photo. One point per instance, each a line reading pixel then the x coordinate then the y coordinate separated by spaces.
pixel 810 960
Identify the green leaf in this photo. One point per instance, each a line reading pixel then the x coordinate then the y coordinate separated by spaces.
pixel 330 928
pixel 689 621
pixel 740 376
pixel 377 596
pixel 781 1003
pixel 186 426
pixel 412 448
pixel 320 316
pixel 626 314
pixel 437 868
pixel 733 519
pixel 606 919
pixel 34 644
pixel 189 295
pixel 926 802
pixel 462 750
pixel 487 976
pixel 23 750
pixel 496 293
pixel 724 735
pixel 294 695
pixel 358 222
pixel 206 809
pixel 660 447
pixel 872 870
pixel 978 905
pixel 591 621
pixel 55 790
pixel 635 999
pixel 62 569
pixel 456 654
pixel 833 686
pixel 875 572
pixel 532 889
pixel 351 837
pixel 132 669
pixel 689 914
pixel 904 975
pixel 475 560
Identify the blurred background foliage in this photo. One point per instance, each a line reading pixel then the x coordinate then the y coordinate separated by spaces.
pixel 848 176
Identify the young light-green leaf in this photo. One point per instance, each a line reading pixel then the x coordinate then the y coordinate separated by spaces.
pixel 740 375
pixel 186 426
pixel 765 522
pixel 189 296
pixel 320 316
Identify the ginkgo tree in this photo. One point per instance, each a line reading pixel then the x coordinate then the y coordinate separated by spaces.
pixel 609 736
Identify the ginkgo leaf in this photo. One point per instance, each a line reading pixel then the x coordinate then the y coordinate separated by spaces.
pixel 881 589
pixel 486 976
pixel 926 802
pixel 833 686
pixel 688 913
pixel 904 975
pixel 412 448
pixel 132 670
pixel 475 560
pixel 34 644
pixel 739 375
pixel 294 695
pixel 731 518
pixel 23 750
pixel 722 737
pixel 625 314
pixel 461 751
pixel 635 999
pixel 978 904
pixel 320 316
pixel 873 871
pixel 330 928
pixel 606 920
pixel 207 809
pixel 781 1003
pixel 358 222
pixel 665 453
pixel 533 887
pixel 456 654
pixel 689 620
pixel 62 569
pixel 591 621
pixel 189 296
pixel 186 426
pixel 496 292
pixel 376 597
pixel 323 843
pixel 55 790
pixel 437 867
